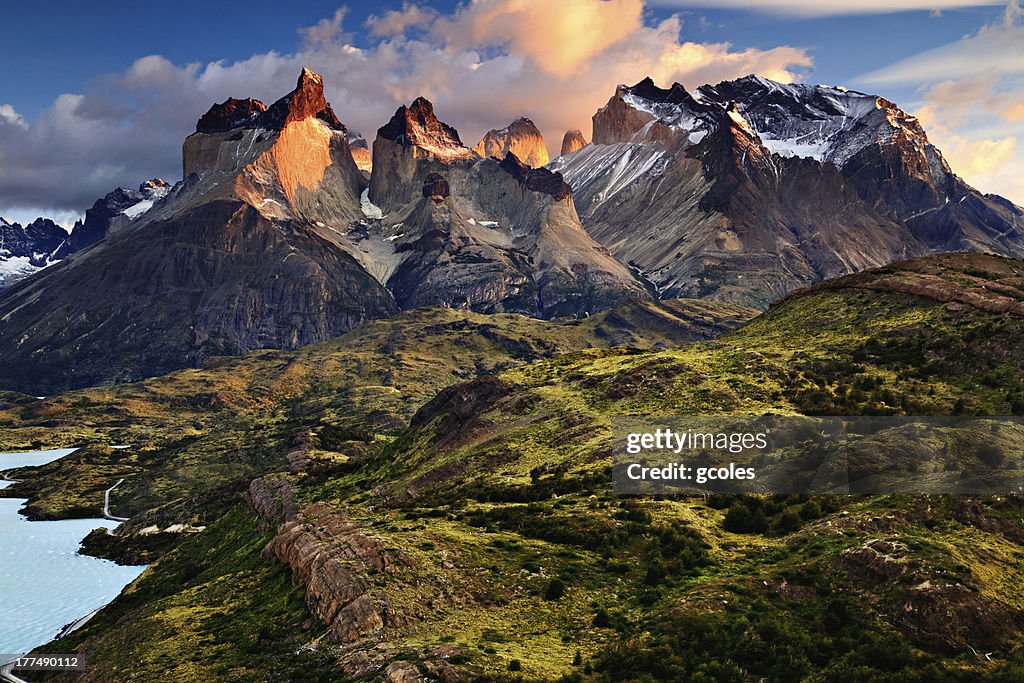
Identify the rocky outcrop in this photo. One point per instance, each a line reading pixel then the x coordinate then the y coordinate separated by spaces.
pixel 459 404
pixel 935 610
pixel 436 188
pixel 984 282
pixel 572 141
pixel 273 499
pixel 307 100
pixel 521 138
pixel 536 179
pixel 335 561
pixel 290 160
pixel 230 114
pixel 411 146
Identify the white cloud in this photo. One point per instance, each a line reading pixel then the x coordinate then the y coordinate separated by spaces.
pixel 9 116
pixel 483 65
pixel 821 8
pixel 996 49
pixel 398 22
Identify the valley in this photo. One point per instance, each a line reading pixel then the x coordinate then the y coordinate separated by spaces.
pixel 489 504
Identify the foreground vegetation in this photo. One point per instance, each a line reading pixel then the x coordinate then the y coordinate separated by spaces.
pixel 482 514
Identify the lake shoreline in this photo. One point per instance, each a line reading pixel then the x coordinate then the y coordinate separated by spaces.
pixel 51 587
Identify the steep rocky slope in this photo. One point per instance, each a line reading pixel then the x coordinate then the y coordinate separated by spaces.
pixel 479 233
pixel 360 151
pixel 745 190
pixel 236 257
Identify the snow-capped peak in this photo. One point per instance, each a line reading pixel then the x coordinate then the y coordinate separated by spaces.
pixel 826 123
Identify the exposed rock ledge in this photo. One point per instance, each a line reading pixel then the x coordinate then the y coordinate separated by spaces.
pixel 336 562
pixel 273 500
pixel 987 297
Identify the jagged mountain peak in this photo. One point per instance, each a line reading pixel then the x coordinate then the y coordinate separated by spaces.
pixel 306 100
pixel 417 126
pixel 648 90
pixel 645 112
pixel 825 123
pixel 229 114
pixel 521 137
pixel 289 160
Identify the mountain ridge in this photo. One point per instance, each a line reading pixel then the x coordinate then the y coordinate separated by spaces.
pixel 752 223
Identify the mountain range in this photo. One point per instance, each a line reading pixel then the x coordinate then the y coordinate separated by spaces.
pixel 287 230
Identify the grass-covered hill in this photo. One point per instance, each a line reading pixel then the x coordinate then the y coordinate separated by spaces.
pixel 481 539
pixel 198 436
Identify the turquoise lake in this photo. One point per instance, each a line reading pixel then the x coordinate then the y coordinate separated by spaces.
pixel 44 582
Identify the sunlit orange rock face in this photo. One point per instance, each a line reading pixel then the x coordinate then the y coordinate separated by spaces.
pixel 572 141
pixel 289 160
pixel 521 138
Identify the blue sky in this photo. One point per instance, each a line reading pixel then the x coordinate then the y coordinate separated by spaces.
pixel 83 41
pixel 95 95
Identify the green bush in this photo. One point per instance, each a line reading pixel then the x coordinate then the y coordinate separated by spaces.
pixel 555 590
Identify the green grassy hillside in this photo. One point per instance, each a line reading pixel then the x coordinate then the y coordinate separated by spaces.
pixel 199 436
pixel 483 540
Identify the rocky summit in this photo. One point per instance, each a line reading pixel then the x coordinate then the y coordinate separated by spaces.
pixel 572 141
pixel 745 190
pixel 521 138
pixel 478 233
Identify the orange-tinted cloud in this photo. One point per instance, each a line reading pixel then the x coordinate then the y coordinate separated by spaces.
pixel 560 37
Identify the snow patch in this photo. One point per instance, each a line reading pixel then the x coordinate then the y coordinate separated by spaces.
pixel 137 210
pixel 370 210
